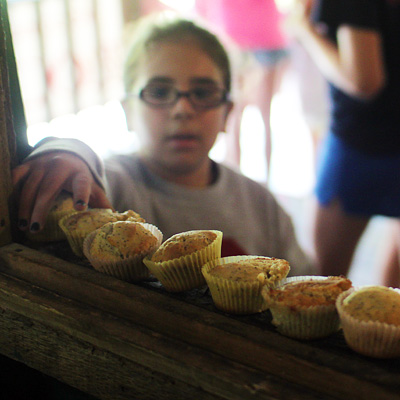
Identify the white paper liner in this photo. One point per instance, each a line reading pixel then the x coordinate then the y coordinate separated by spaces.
pixel 305 323
pixel 130 269
pixel 370 338
pixel 75 239
pixel 184 273
pixel 308 322
pixel 234 297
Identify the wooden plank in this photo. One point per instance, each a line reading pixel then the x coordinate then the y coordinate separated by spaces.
pixel 88 368
pixel 73 73
pixel 100 354
pixel 7 145
pixel 314 366
pixel 37 7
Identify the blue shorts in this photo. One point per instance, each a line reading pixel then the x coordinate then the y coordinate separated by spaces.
pixel 269 58
pixel 364 184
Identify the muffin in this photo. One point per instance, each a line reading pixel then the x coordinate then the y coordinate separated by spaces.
pixel 118 248
pixel 304 307
pixel 370 318
pixel 236 282
pixel 78 225
pixel 177 262
pixel 63 205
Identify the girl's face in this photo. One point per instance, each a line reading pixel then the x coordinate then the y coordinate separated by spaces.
pixel 177 138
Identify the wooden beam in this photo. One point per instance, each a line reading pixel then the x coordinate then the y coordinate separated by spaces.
pixel 7 136
pixel 325 367
pixel 113 358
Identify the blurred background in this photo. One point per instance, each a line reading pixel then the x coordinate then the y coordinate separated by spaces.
pixel 69 57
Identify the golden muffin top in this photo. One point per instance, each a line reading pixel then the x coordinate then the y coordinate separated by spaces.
pixel 119 240
pixel 183 244
pixel 308 292
pixel 88 221
pixel 265 270
pixel 63 202
pixel 374 303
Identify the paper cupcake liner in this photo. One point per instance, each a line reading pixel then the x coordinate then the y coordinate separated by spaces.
pixel 75 239
pixel 234 297
pixel 51 231
pixel 130 269
pixel 184 273
pixel 308 322
pixel 370 338
pixel 305 323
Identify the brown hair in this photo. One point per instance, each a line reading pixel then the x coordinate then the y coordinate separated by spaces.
pixel 150 30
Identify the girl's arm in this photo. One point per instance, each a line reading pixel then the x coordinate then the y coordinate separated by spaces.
pixel 355 64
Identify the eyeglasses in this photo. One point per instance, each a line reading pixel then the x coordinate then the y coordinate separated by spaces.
pixel 201 97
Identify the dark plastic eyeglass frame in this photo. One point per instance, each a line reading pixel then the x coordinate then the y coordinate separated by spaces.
pixel 187 94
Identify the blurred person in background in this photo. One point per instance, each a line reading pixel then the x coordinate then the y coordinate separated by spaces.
pixel 356 45
pixel 253 34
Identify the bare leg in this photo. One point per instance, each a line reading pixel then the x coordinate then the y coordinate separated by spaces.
pixel 257 86
pixel 390 272
pixel 233 134
pixel 336 235
pixel 269 82
pixel 234 122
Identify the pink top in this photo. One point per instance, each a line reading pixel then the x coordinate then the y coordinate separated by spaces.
pixel 251 24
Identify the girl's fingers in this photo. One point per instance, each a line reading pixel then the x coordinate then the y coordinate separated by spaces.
pixel 99 199
pixel 61 173
pixel 19 173
pixel 42 179
pixel 82 184
pixel 51 185
pixel 27 196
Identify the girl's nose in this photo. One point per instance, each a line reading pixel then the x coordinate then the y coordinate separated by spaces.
pixel 183 105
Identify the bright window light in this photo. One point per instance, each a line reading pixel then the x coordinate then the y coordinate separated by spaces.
pixel 103 128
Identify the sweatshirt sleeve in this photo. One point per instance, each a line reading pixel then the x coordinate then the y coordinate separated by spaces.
pixel 76 147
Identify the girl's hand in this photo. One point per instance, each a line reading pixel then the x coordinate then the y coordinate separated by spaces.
pixel 39 181
pixel 298 21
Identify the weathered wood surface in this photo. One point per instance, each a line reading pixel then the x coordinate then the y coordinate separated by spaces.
pixel 7 140
pixel 119 340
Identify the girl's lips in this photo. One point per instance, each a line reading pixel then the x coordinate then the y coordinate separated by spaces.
pixel 184 141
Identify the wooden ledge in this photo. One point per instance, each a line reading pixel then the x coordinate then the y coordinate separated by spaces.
pixel 52 307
